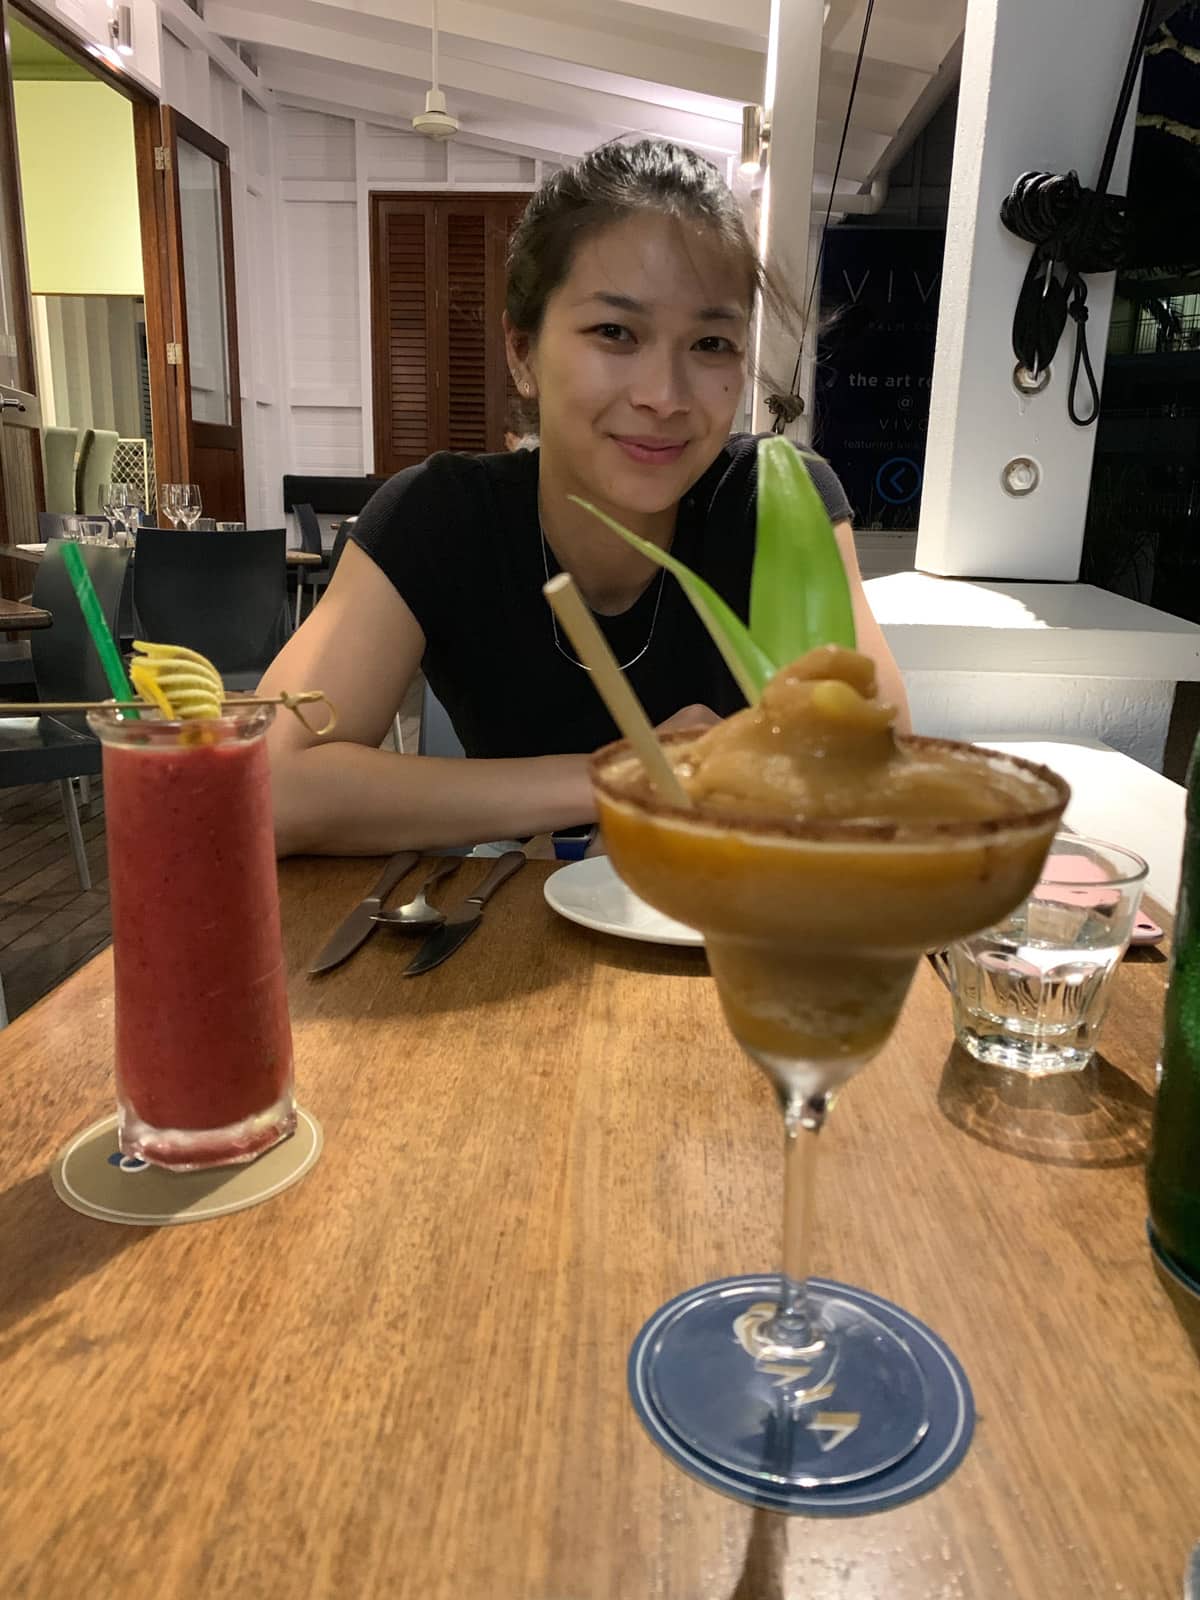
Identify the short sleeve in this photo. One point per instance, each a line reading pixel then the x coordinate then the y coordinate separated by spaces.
pixel 829 486
pixel 402 525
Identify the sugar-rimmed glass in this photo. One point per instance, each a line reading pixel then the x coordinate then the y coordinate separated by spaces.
pixel 813 932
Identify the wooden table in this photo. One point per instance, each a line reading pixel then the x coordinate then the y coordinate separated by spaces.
pixel 406 1376
pixel 17 617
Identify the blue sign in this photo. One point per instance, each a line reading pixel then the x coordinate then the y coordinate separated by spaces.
pixel 879 303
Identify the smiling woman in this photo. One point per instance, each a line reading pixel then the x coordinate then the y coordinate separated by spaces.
pixel 631 287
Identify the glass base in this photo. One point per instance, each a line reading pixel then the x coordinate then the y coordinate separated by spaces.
pixel 1035 1058
pixel 856 1407
pixel 192 1150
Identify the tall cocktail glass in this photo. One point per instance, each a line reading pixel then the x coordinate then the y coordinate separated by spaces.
pixel 203 1039
pixel 813 931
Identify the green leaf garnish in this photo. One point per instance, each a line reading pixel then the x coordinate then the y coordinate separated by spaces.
pixel 799 592
pixel 750 667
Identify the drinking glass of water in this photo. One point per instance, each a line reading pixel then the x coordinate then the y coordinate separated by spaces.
pixel 1031 993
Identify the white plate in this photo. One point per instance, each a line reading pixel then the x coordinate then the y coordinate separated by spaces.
pixel 590 893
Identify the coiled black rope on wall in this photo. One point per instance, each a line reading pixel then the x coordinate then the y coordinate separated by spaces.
pixel 1075 232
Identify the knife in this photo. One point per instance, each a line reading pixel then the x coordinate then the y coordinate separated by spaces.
pixel 358 925
pixel 461 923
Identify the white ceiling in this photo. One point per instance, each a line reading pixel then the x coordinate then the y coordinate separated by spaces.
pixel 556 77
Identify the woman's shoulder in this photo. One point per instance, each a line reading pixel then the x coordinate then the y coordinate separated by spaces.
pixel 433 495
pixel 735 471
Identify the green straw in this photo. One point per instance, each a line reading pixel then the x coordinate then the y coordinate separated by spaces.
pixel 89 604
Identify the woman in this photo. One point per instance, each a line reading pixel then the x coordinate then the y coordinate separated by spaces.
pixel 631 287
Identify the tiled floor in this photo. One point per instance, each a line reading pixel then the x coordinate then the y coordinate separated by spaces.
pixel 48 926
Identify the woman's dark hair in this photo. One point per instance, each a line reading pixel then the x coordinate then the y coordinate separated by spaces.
pixel 612 183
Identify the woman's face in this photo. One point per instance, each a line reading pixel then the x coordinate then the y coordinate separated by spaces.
pixel 640 362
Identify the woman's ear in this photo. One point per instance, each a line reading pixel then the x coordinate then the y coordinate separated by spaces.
pixel 518 348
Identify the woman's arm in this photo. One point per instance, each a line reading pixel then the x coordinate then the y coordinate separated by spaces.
pixel 345 796
pixel 870 635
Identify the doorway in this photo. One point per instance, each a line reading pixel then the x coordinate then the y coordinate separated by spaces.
pixel 78 181
pixel 121 241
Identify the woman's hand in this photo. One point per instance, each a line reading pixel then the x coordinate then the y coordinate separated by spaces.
pixel 692 719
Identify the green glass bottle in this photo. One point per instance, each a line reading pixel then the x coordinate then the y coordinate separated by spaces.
pixel 1173 1168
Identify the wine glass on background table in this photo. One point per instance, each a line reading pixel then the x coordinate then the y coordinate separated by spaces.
pixel 181 503
pixel 813 930
pixel 113 497
pixel 188 507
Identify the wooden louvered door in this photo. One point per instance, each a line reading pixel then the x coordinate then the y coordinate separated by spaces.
pixel 403 275
pixel 437 282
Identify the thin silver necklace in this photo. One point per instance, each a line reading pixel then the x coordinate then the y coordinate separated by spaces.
pixel 574 660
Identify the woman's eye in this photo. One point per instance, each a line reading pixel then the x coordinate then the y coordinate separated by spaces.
pixel 715 344
pixel 614 332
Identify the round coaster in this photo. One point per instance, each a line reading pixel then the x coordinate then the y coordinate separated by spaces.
pixel 1169 1264
pixel 91 1175
pixel 951 1415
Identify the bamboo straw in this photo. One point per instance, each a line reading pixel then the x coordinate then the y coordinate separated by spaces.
pixel 592 649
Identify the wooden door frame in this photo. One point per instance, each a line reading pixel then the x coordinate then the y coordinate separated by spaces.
pixel 192 434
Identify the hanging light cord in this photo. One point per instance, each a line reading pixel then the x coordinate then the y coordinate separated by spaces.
pixel 1077 231
pixel 786 408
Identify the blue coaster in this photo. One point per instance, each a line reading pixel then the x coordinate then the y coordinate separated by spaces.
pixel 951 1415
pixel 1169 1264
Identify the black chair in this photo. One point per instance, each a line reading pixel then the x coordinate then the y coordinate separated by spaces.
pixel 314 578
pixel 224 594
pixel 340 543
pixel 65 667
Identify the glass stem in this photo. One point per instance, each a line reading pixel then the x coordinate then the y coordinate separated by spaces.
pixel 803 1119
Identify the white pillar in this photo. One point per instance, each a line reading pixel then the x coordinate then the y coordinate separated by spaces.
pixel 790 102
pixel 1039 88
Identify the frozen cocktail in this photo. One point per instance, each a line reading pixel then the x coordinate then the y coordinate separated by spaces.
pixel 820 856
pixel 203 1040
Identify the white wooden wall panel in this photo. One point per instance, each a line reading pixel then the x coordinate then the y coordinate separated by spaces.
pixel 393 156
pixel 475 164
pixel 322 312
pixel 176 65
pixel 315 146
pixel 256 134
pixel 327 441
pixel 225 101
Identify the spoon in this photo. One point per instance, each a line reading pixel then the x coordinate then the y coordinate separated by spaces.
pixel 1191 1578
pixel 418 915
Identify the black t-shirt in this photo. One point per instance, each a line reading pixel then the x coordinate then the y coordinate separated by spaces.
pixel 459 538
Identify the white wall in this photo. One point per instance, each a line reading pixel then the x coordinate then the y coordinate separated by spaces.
pixel 1130 714
pixel 328 166
pixel 204 79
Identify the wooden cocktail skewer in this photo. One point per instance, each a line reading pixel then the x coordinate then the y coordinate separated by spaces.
pixel 290 702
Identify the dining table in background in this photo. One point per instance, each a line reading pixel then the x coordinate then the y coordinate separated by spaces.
pixel 18 617
pixel 406 1376
pixel 14 578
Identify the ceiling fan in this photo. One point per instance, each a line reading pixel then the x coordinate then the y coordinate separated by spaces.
pixel 435 122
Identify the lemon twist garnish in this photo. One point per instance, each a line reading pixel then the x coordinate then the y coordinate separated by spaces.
pixel 183 684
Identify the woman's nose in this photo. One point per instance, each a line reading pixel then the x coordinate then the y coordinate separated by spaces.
pixel 660 382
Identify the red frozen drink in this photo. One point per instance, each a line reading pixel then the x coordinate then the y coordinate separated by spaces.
pixel 203 1041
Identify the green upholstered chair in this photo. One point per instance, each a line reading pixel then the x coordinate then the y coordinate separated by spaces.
pixel 95 468
pixel 58 452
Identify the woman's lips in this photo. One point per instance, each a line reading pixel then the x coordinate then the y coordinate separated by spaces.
pixel 651 452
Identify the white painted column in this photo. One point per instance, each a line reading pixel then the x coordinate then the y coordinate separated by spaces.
pixel 1039 88
pixel 790 102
